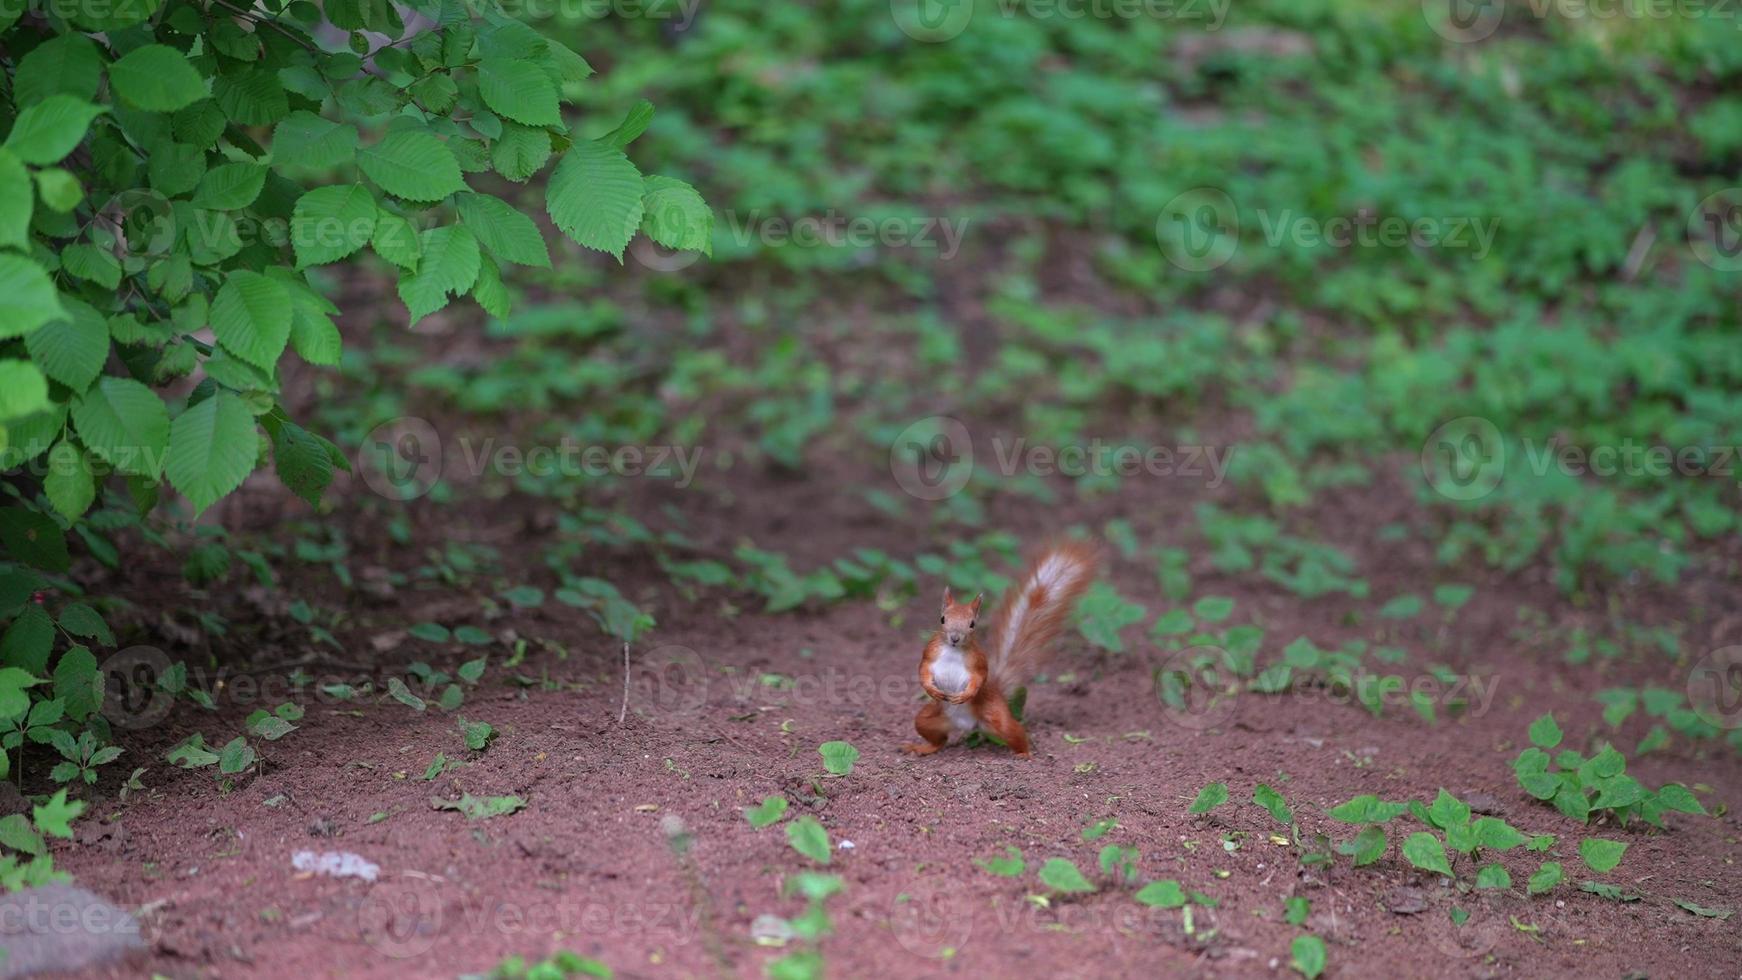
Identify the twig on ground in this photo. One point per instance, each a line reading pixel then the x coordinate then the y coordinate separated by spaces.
pixel 624 713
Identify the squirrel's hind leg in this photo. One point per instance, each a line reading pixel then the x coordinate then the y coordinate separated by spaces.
pixel 995 715
pixel 933 726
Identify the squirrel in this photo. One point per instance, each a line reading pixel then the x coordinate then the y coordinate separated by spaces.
pixel 967 683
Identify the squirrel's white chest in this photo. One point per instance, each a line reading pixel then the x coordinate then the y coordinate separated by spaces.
pixel 949 674
pixel 949 671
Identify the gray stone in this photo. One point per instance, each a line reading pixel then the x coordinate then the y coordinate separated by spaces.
pixel 62 928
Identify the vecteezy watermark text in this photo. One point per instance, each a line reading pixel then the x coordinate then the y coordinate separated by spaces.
pixel 1200 230
pixel 403 458
pixel 1467 458
pixel 570 457
pixel 934 458
pixel 1470 21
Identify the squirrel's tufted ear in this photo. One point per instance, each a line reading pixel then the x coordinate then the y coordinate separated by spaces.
pixel 975 605
pixel 949 600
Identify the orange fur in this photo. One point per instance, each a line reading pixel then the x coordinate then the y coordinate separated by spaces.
pixel 1030 618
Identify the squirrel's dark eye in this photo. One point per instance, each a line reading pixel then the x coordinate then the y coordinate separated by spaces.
pixel 971 623
pixel 940 620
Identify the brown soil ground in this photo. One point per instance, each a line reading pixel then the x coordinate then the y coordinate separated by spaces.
pixel 586 865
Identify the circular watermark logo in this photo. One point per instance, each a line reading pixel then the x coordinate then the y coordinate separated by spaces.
pixel 932 21
pixel 401 459
pixel 932 459
pixel 144 222
pixel 1199 230
pixel 669 680
pixel 133 694
pixel 932 918
pixel 1464 459
pixel 1195 688
pixel 1464 21
pixel 401 918
pixel 1715 688
pixel 1715 230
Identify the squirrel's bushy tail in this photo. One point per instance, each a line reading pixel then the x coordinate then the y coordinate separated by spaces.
pixel 1033 611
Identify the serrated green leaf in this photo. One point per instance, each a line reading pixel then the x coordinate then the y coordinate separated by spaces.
pixel 489 291
pixel 632 126
pixel 519 90
pixel 27 297
pixel 313 334
pixel 595 197
pixel 16 833
pixel 64 65
pixel 520 151
pixel 71 349
pixel 504 232
pixel 329 223
pixel 449 265
pixel 28 640
pixel 92 264
pixel 69 484
pixel 16 202
pixel 436 93
pixel 77 683
pixel 212 449
pixel 301 461
pixel 413 165
pixel 175 168
pixel 47 131
pixel 304 139
pixel 251 96
pixel 396 240
pixel 125 424
pixel 230 187
pixel 676 216
pixel 251 317
pixel 156 78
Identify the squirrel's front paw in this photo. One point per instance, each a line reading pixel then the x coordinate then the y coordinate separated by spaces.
pixel 959 698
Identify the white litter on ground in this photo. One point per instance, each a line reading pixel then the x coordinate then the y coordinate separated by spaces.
pixel 337 864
